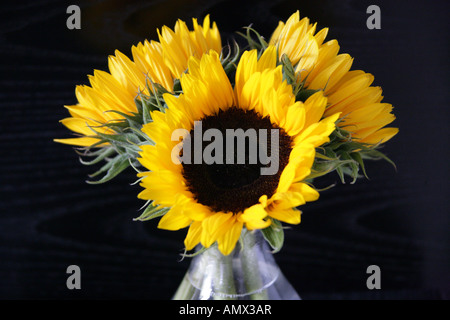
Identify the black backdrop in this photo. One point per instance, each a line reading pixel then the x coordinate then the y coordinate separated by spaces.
pixel 50 218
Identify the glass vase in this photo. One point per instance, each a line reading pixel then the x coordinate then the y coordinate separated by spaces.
pixel 248 273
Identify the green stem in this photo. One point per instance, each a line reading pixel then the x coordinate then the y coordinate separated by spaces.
pixel 223 277
pixel 186 290
pixel 251 268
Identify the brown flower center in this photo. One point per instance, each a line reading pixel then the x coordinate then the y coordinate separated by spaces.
pixel 236 179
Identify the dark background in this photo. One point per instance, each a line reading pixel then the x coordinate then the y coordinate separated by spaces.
pixel 50 218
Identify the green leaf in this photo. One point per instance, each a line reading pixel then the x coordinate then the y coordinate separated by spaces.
pixel 274 235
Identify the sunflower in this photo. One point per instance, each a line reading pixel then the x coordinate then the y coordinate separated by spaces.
pixel 217 200
pixel 320 67
pixel 153 62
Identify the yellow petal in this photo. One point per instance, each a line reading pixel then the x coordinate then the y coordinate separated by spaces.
pixel 314 108
pixel 254 212
pixel 291 216
pixel 174 219
pixel 227 242
pixel 83 141
pixel 162 187
pixel 295 119
pixel 332 74
pixel 381 136
pixel 308 193
pixel 318 133
pixel 268 59
pixel 193 236
pixel 215 226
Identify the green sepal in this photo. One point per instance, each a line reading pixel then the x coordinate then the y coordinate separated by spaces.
pixel 347 156
pixel 259 44
pixel 192 255
pixel 351 166
pixel 230 60
pixel 322 168
pixel 177 85
pixel 293 78
pixel 112 168
pixel 99 155
pixel 274 235
pixel 288 70
pixel 357 157
pixel 123 142
pixel 152 212
pixel 304 94
pixel 374 154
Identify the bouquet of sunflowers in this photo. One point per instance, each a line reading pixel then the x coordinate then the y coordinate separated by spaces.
pixel 227 141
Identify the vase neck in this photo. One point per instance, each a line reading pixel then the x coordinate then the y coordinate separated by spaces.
pixel 248 270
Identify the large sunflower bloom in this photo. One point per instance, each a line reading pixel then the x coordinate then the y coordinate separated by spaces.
pixel 349 92
pixel 216 201
pixel 158 62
